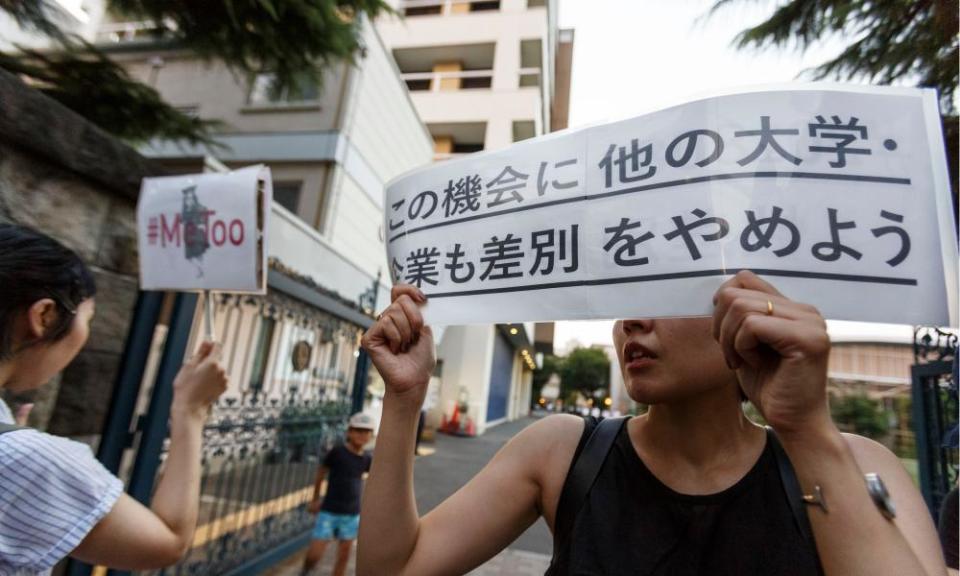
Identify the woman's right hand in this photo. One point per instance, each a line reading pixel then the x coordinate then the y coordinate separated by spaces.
pixel 401 345
pixel 201 380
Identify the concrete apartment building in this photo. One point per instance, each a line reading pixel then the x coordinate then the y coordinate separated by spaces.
pixel 484 74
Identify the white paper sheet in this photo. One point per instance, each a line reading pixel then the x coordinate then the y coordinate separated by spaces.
pixel 837 195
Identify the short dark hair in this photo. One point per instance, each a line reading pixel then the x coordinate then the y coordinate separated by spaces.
pixel 34 266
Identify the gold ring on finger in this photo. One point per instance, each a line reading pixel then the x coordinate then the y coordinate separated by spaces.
pixel 769 308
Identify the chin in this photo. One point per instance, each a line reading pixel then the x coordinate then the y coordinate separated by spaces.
pixel 647 391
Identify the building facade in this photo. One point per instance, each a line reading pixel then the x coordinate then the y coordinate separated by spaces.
pixel 483 74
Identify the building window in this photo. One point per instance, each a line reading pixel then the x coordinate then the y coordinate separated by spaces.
pixel 264 90
pixel 484 6
pixel 422 10
pixel 467 147
pixel 523 129
pixel 287 194
pixel 531 62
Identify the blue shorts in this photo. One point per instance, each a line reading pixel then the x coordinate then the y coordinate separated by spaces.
pixel 336 526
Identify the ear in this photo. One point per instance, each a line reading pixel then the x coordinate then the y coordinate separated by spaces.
pixel 41 315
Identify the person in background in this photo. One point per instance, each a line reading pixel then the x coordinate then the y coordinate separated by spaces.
pixel 57 499
pixel 338 513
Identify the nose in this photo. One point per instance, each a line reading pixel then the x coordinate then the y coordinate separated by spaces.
pixel 639 325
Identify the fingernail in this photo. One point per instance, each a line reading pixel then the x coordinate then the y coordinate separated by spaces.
pixel 423 297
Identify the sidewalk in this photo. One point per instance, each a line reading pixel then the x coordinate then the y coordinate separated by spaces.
pixel 438 475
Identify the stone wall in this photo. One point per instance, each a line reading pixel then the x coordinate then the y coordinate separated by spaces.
pixel 63 176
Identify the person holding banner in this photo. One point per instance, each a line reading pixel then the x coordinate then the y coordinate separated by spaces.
pixel 691 487
pixel 56 499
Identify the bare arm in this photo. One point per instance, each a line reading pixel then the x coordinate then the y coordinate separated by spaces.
pixel 482 517
pixel 781 363
pixel 132 536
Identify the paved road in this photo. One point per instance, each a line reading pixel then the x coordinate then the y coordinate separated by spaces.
pixel 440 474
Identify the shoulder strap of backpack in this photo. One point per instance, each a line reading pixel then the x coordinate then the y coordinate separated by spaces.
pixel 791 487
pixel 580 480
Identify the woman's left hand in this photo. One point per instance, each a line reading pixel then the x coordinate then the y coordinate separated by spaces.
pixel 779 349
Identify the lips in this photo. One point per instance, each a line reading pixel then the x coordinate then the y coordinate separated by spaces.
pixel 636 355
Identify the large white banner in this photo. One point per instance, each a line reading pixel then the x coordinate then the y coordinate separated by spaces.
pixel 205 231
pixel 837 195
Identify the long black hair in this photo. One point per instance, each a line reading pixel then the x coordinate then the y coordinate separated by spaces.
pixel 34 266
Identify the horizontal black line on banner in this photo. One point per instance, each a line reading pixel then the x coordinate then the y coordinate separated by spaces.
pixel 681 275
pixel 667 184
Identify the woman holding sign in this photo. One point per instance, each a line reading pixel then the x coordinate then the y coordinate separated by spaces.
pixel 56 499
pixel 691 487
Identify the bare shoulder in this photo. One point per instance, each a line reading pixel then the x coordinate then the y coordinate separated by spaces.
pixel 870 452
pixel 913 517
pixel 554 440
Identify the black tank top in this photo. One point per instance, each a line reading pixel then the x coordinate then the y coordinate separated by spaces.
pixel 631 523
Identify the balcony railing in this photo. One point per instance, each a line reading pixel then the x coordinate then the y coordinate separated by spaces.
pixel 433 81
pixel 444 7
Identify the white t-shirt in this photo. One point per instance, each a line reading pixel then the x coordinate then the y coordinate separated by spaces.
pixel 52 493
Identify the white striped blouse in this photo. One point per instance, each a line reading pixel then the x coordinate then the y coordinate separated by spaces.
pixel 52 493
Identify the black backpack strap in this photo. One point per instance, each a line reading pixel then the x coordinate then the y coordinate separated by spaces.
pixel 791 487
pixel 4 428
pixel 583 474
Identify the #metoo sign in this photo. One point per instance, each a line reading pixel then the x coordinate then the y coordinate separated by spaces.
pixel 205 231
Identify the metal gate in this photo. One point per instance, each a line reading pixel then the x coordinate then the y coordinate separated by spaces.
pixel 291 364
pixel 934 399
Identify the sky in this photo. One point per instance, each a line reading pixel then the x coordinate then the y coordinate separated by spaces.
pixel 632 57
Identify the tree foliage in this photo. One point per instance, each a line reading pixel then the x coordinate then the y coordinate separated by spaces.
pixel 584 370
pixel 860 414
pixel 890 39
pixel 283 37
pixel 551 365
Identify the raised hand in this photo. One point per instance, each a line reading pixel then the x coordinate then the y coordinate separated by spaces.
pixel 401 345
pixel 201 380
pixel 779 349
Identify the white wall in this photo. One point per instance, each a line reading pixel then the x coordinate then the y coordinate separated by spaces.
pixel 386 137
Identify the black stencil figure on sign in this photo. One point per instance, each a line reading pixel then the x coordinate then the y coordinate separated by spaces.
pixel 502 258
pixel 628 243
pixel 632 166
pixel 842 134
pixel 683 230
pixel 455 264
pixel 422 267
pixel 759 233
pixel 542 179
pixel 832 250
pixel 900 232
pixel 509 181
pixel 689 141
pixel 767 139
pixel 551 247
pixel 462 196
pixel 194 215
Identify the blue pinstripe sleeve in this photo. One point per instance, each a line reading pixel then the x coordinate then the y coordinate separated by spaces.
pixel 52 493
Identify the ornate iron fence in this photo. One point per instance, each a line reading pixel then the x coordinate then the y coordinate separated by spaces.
pixel 291 371
pixel 934 398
